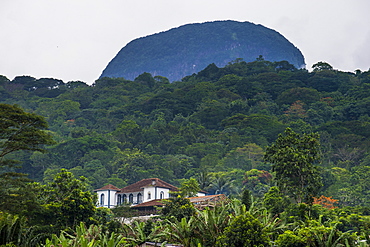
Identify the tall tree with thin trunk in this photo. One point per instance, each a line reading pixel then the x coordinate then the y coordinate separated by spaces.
pixel 19 131
pixel 294 159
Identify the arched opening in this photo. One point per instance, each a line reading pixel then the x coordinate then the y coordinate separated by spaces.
pixel 102 199
pixel 119 199
pixel 161 195
pixel 139 198
pixel 149 195
pixel 131 198
pixel 124 199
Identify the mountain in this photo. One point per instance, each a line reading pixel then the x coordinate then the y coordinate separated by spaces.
pixel 188 49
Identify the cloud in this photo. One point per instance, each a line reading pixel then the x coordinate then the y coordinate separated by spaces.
pixel 75 40
pixel 361 55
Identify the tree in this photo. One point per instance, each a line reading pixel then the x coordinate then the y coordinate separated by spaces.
pixel 319 66
pixel 189 188
pixel 305 95
pixel 182 231
pixel 140 232
pixel 19 131
pixel 293 159
pixel 220 183
pixel 246 198
pixel 274 201
pixel 257 181
pixel 177 207
pixel 211 222
pixel 316 234
pixel 204 180
pixel 68 201
pixel 244 230
pixel 295 112
pixel 247 157
pixel 326 202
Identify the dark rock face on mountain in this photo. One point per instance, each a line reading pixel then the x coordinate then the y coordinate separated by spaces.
pixel 188 49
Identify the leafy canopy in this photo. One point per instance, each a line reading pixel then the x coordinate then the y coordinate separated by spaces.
pixel 20 130
pixel 293 157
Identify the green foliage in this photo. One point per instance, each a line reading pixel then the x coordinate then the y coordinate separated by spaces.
pixel 321 66
pixel 177 207
pixel 246 198
pixel 19 131
pixel 189 188
pixel 212 126
pixel 274 201
pixel 124 211
pixel 11 229
pixel 293 158
pixel 244 230
pixel 14 231
pixel 306 95
pixel 86 237
pixel 182 231
pixel 211 223
pixel 257 181
pixel 316 234
pixel 138 233
pixel 120 131
pixel 67 202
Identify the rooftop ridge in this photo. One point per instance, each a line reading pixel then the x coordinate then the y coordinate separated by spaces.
pixel 146 183
pixel 108 187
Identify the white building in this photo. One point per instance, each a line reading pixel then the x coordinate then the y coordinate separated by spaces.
pixel 140 192
pixel 107 196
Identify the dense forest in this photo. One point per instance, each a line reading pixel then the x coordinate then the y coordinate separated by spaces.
pixel 220 127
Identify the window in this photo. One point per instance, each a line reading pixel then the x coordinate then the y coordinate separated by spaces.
pixel 124 199
pixel 139 198
pixel 102 199
pixel 119 199
pixel 162 195
pixel 131 198
pixel 149 195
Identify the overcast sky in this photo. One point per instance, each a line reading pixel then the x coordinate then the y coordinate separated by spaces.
pixel 76 39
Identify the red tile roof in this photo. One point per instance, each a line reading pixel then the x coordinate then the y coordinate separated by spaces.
pixel 149 182
pixel 155 202
pixel 108 187
pixel 201 200
pixel 208 199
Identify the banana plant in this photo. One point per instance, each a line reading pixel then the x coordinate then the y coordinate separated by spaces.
pixel 86 237
pixel 137 234
pixel 183 232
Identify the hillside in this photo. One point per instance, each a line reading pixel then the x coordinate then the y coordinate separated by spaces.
pixel 216 122
pixel 188 49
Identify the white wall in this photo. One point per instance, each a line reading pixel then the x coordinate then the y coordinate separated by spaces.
pixel 150 190
pixel 155 193
pixel 109 198
pixel 134 194
pixel 201 194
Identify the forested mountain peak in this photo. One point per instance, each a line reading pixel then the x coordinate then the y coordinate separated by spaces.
pixel 188 49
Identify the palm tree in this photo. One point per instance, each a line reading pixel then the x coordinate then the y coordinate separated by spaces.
pixel 220 184
pixel 204 180
pixel 210 224
pixel 138 234
pixel 183 231
pixel 13 231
